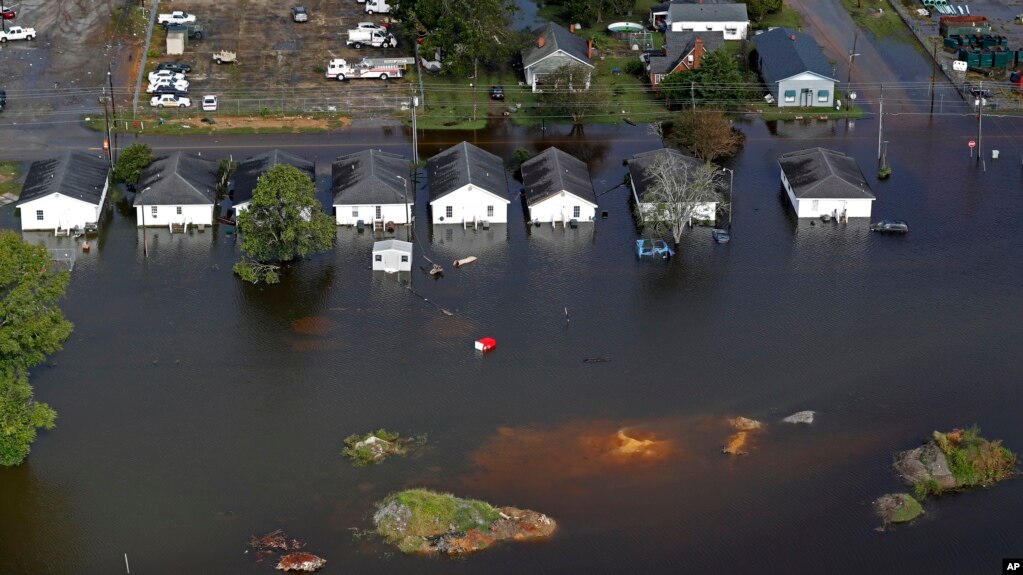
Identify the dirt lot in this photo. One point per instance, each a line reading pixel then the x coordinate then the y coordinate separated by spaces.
pixel 281 62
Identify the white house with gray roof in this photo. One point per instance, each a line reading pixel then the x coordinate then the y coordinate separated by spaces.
pixel 553 48
pixel 64 192
pixel 820 181
pixel 557 188
pixel 731 20
pixel 468 186
pixel 373 187
pixel 795 69
pixel 252 169
pixel 180 189
pixel 641 180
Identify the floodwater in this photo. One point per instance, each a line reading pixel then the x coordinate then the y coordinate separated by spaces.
pixel 196 410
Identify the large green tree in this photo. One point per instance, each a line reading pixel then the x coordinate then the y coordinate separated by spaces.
pixel 566 91
pixel 131 161
pixel 718 83
pixel 31 326
pixel 760 8
pixel 468 32
pixel 284 222
pixel 591 11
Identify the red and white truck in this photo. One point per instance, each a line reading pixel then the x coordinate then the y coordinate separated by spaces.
pixel 382 68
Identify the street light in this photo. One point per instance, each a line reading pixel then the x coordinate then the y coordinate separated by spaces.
pixel 404 198
pixel 731 206
pixel 142 198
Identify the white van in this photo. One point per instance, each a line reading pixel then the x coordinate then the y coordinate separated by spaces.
pixel 377 7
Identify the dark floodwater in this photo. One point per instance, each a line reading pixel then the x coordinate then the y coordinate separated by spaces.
pixel 196 410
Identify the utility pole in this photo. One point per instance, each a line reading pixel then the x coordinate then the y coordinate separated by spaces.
pixel 848 76
pixel 113 112
pixel 934 68
pixel 880 125
pixel 145 245
pixel 106 121
pixel 692 94
pixel 980 101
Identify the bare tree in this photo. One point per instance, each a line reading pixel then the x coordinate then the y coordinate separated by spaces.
pixel 567 91
pixel 679 192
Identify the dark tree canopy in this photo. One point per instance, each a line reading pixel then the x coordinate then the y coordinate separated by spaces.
pixel 131 161
pixel 717 83
pixel 466 31
pixel 565 92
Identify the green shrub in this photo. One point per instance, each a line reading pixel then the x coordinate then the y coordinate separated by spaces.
pixel 153 54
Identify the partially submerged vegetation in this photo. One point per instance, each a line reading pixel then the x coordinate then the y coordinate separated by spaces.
pixel 376 446
pixel 424 521
pixel 954 461
pixel 897 508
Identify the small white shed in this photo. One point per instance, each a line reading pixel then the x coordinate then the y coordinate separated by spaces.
pixel 392 256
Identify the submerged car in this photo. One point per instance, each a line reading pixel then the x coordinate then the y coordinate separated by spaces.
pixel 890 226
pixel 653 248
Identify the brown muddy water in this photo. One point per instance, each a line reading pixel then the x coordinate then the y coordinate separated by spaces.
pixel 196 410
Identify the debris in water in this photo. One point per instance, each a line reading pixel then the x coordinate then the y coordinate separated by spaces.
pixel 744 424
pixel 301 562
pixel 802 417
pixel 735 444
pixel 597 360
pixel 485 344
pixel 464 261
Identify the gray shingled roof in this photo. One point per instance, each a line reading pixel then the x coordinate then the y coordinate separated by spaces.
pixel 464 164
pixel 820 173
pixel 679 44
pixel 785 57
pixel 250 170
pixel 639 163
pixel 392 244
pixel 370 177
pixel 77 175
pixel 555 38
pixel 707 13
pixel 553 171
pixel 178 180
pixel 663 6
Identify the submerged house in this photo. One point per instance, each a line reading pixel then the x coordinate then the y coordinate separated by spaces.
pixel 682 52
pixel 819 181
pixel 557 188
pixel 65 192
pixel 795 69
pixel 392 256
pixel 371 187
pixel 177 190
pixel 468 186
pixel 729 20
pixel 556 47
pixel 641 181
pixel 250 170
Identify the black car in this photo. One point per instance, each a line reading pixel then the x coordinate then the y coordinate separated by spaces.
pixel 181 67
pixel 890 226
pixel 3 100
pixel 497 92
pixel 976 92
pixel 169 90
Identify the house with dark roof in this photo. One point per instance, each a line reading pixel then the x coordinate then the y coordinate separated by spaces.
pixel 177 190
pixel 682 51
pixel 730 20
pixel 556 47
pixel 557 188
pixel 251 169
pixel 795 69
pixel 642 180
pixel 468 186
pixel 372 186
pixel 819 181
pixel 65 192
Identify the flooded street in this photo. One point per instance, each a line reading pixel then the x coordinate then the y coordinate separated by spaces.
pixel 196 411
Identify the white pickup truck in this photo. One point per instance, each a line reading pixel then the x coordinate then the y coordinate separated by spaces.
pixel 175 17
pixel 360 37
pixel 18 33
pixel 339 69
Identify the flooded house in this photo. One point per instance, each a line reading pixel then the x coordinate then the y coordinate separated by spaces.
pixel 64 193
pixel 555 47
pixel 641 180
pixel 252 169
pixel 823 182
pixel 468 187
pixel 372 186
pixel 557 188
pixel 392 256
pixel 177 191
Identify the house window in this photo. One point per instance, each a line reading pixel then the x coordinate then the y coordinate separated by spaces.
pixel 822 96
pixel 152 211
pixel 378 258
pixel 576 211
pixel 790 96
pixel 814 205
pixel 490 211
pixel 404 259
pixel 39 215
pixel 355 212
pixel 378 216
pixel 179 210
pixel 449 211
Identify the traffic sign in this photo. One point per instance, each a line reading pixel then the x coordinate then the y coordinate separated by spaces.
pixel 973 144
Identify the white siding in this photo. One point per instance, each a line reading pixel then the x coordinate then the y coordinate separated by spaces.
pixel 166 215
pixel 703 211
pixel 730 30
pixel 813 208
pixel 396 213
pixel 469 203
pixel 561 208
pixel 58 211
pixel 390 261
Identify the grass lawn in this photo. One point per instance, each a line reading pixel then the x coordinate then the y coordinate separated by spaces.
pixel 10 173
pixel 786 17
pixel 774 113
pixel 865 14
pixel 449 100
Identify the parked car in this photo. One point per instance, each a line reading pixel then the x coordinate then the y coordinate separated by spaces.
pixel 978 92
pixel 177 85
pixel 372 26
pixel 890 226
pixel 170 101
pixel 175 17
pixel 18 33
pixel 168 89
pixel 653 248
pixel 225 57
pixel 299 14
pixel 165 75
pixel 209 103
pixel 8 14
pixel 179 67
pixel 497 92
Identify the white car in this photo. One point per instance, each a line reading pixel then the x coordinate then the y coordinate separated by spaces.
pixel 170 101
pixel 18 33
pixel 178 85
pixel 175 17
pixel 371 26
pixel 209 103
pixel 165 75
